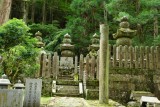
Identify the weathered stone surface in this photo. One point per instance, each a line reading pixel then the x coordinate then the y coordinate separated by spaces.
pixel 33 92
pixel 120 77
pixel 124 33
pixel 67 82
pixel 47 83
pixel 66 47
pixel 92 93
pixel 104 64
pixel 66 62
pixel 156 79
pixel 136 95
pixel 67 89
pixel 11 98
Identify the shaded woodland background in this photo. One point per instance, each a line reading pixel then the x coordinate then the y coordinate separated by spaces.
pixel 79 18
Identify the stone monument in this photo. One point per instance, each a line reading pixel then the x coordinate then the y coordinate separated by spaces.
pixel 94 47
pixel 32 93
pixel 39 37
pixel 66 59
pixel 11 98
pixel 124 34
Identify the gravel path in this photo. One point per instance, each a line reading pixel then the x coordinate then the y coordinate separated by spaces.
pixel 67 102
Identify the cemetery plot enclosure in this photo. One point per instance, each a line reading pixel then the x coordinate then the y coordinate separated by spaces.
pixel 120 57
pixel 135 68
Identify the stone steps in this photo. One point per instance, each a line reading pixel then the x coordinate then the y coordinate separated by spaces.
pixel 66 77
pixel 67 95
pixel 68 88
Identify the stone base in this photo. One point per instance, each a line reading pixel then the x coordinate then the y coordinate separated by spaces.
pixel 92 94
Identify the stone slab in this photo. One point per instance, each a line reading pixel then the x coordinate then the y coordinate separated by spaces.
pixel 11 98
pixel 66 62
pixel 33 92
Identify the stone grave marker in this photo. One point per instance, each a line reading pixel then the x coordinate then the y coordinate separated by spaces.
pixel 11 98
pixel 33 92
pixel 66 61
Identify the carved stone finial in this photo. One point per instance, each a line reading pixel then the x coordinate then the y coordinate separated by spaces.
pixel 38 33
pixel 124 34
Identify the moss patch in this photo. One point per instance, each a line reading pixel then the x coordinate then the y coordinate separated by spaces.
pixel 95 103
pixel 45 100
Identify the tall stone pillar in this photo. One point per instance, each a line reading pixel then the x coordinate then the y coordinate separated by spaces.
pixel 104 64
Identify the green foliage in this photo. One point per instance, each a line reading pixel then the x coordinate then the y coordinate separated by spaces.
pixel 12 33
pixel 55 43
pixel 156 41
pixel 81 18
pixel 19 51
pixel 145 16
pixel 50 33
pixel 147 42
pixel 138 12
pixel 84 22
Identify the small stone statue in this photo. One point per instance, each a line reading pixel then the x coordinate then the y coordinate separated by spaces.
pixel 39 37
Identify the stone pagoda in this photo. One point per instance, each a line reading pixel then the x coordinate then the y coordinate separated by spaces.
pixel 38 35
pixel 66 59
pixel 66 47
pixel 94 47
pixel 124 34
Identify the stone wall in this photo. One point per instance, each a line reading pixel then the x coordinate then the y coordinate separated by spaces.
pixel 47 87
pixel 123 81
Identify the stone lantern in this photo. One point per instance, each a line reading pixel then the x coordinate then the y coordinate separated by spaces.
pixel 4 82
pixel 39 37
pixel 94 47
pixel 19 85
pixel 124 34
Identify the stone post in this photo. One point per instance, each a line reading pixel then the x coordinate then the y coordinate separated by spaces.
pixel 55 65
pixel 84 79
pixel 81 67
pixel 104 65
pixel 75 65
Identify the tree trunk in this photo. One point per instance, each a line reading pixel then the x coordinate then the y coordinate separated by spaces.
pixel 51 14
pixel 33 11
pixel 140 33
pixel 138 6
pixel 25 11
pixel 155 26
pixel 5 8
pixel 44 12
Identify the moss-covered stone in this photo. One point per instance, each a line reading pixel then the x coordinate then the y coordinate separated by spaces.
pixel 47 87
pixel 67 82
pixel 92 94
pixel 92 83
